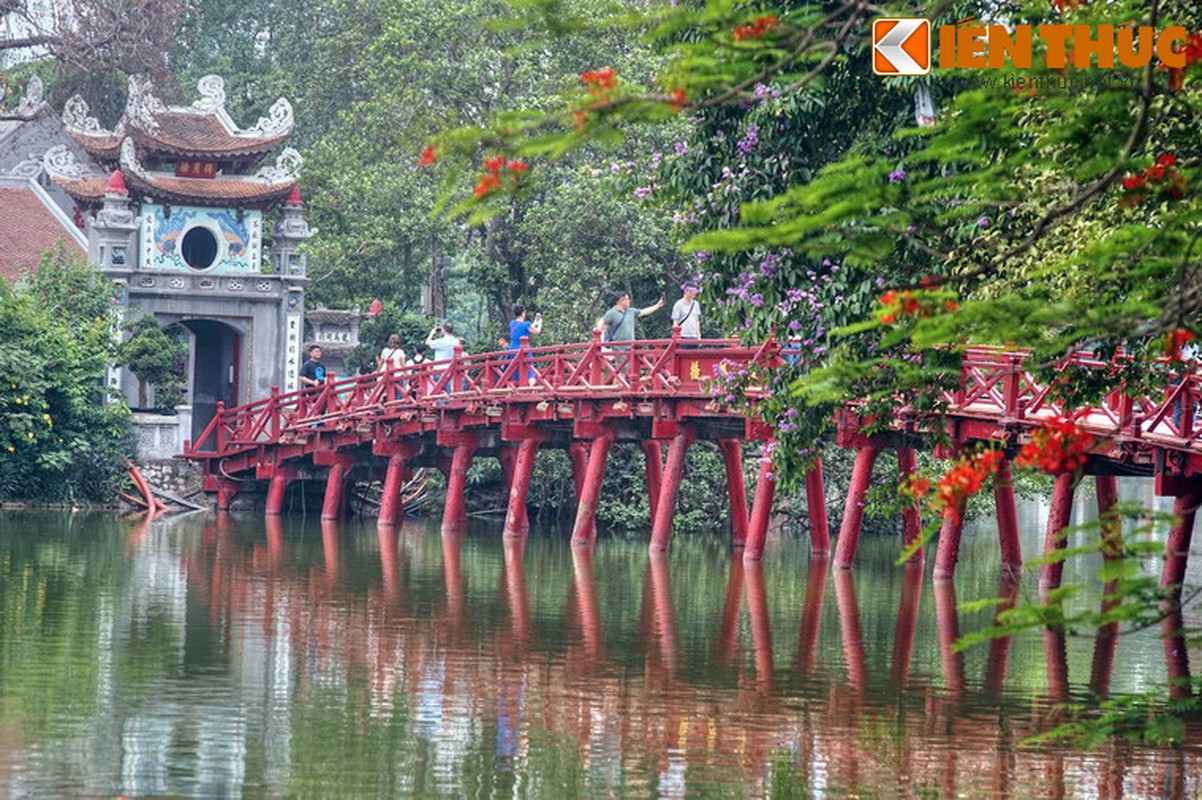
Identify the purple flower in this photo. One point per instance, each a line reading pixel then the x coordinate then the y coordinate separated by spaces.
pixel 750 139
pixel 909 229
pixel 642 191
pixel 983 222
pixel 702 255
pixel 681 148
pixel 794 326
pixel 897 176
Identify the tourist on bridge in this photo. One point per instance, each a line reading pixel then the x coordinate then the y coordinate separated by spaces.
pixel 619 320
pixel 686 312
pixel 443 347
pixel 392 358
pixel 521 328
pixel 313 372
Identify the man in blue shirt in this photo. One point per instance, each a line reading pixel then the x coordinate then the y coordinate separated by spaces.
pixel 519 328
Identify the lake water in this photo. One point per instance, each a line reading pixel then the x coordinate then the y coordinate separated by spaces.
pixel 204 656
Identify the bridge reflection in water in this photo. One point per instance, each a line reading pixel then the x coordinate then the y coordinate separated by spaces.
pixel 626 685
pixel 230 656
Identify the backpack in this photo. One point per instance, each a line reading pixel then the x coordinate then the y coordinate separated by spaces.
pixel 608 336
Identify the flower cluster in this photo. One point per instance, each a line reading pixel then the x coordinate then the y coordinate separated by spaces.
pixel 915 487
pixel 1058 446
pixel 599 80
pixel 912 304
pixel 1161 177
pixel 1174 341
pixel 495 169
pixel 749 140
pixel 965 479
pixel 429 156
pixel 756 29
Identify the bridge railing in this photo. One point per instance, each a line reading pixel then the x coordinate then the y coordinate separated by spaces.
pixel 647 368
pixel 997 384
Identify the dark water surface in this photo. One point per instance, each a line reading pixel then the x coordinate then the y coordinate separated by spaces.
pixel 203 656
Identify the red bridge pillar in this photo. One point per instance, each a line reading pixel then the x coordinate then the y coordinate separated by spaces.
pixel 665 510
pixel 949 541
pixel 820 536
pixel 1007 518
pixel 1172 576
pixel 335 498
pixel 585 529
pixel 853 512
pixel 761 510
pixel 578 456
pixel 732 456
pixel 654 457
pixel 516 522
pixel 280 477
pixel 226 491
pixel 911 516
pixel 454 513
pixel 1058 519
pixel 399 455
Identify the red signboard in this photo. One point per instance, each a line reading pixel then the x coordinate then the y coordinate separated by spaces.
pixel 196 169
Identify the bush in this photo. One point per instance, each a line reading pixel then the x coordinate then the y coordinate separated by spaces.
pixel 58 440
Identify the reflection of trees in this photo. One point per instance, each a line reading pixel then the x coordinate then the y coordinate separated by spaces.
pixel 520 681
pixel 402 663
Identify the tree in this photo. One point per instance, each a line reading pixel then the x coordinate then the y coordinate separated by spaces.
pixel 57 439
pixel 1051 207
pixel 89 41
pixel 155 358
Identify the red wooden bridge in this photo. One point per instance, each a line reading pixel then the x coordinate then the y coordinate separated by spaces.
pixel 583 397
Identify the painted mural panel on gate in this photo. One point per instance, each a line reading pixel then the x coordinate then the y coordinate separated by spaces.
pixel 236 243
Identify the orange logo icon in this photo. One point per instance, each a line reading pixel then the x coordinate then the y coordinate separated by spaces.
pixel 901 46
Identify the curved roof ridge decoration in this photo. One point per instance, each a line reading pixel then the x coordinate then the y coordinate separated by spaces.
pixel 286 170
pixel 60 164
pixel 144 108
pixel 80 123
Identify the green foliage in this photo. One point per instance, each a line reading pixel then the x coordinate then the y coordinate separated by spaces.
pixel 156 359
pixel 57 439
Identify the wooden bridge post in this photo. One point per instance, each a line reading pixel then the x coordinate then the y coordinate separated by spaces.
pixel 454 513
pixel 1058 519
pixel 911 516
pixel 390 500
pixel 227 490
pixel 761 510
pixel 335 498
pixel 736 489
pixel 1106 489
pixel 516 522
pixel 820 536
pixel 853 511
pixel 1172 576
pixel 585 530
pixel 276 490
pixel 653 455
pixel 1007 518
pixel 665 510
pixel 578 456
pixel 950 531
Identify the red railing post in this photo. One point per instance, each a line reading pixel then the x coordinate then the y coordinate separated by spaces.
pixel 594 354
pixel 273 409
pixel 220 417
pixel 523 371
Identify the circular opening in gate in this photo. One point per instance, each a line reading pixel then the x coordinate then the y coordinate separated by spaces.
pixel 199 248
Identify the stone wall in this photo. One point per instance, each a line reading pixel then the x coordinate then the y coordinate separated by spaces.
pixel 177 476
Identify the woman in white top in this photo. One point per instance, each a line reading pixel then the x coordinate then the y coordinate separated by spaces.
pixel 392 357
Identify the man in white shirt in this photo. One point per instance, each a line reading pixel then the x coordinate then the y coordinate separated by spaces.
pixel 687 312
pixel 443 348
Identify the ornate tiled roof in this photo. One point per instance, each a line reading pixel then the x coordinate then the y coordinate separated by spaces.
pixel 268 186
pixel 202 130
